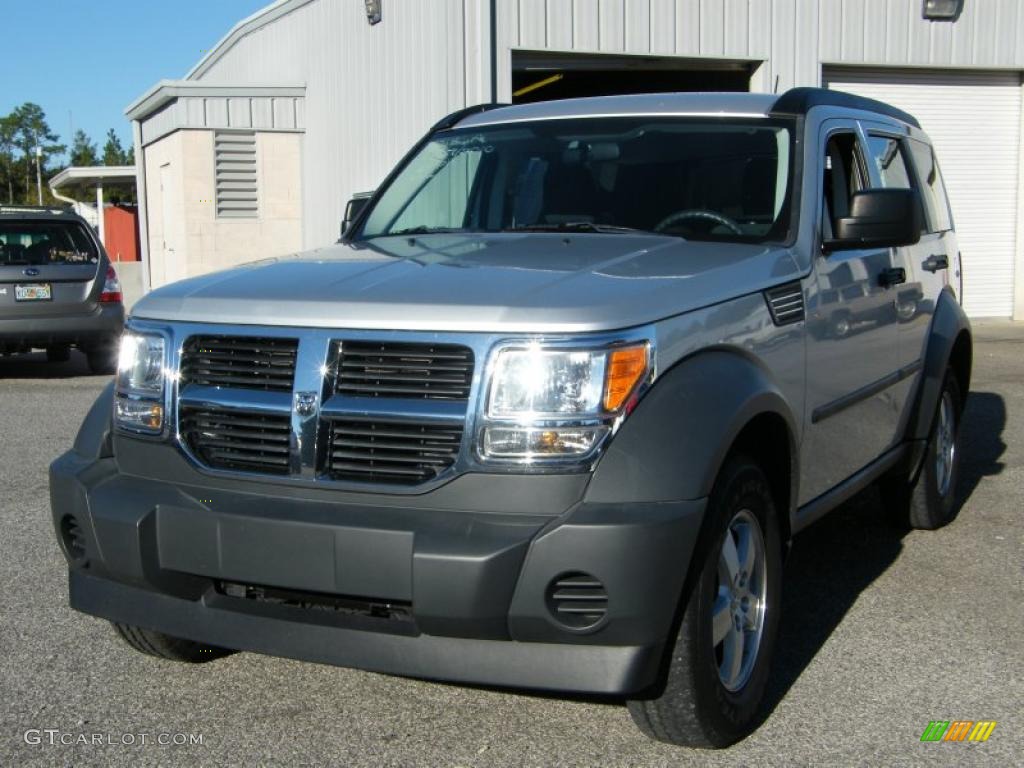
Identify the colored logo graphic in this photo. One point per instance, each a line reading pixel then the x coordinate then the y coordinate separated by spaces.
pixel 958 730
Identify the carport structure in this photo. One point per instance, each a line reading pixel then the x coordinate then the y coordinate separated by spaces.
pixel 78 179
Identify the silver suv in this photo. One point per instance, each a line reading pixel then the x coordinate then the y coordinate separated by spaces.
pixel 550 413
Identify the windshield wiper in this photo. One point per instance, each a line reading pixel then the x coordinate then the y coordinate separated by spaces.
pixel 420 230
pixel 576 226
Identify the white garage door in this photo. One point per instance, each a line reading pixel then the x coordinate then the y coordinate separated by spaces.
pixel 974 120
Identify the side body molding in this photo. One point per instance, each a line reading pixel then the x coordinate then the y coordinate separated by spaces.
pixel 672 446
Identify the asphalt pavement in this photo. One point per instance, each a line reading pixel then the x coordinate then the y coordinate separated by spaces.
pixel 882 632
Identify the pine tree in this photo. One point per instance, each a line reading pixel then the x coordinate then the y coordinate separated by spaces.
pixel 83 150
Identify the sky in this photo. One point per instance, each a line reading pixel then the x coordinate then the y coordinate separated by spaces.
pixel 84 62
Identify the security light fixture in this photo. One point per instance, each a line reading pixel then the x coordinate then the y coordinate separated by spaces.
pixel 942 10
pixel 373 11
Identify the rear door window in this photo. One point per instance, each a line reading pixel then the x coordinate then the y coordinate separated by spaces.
pixel 45 243
pixel 933 190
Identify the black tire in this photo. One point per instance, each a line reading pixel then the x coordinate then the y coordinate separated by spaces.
pixel 922 501
pixel 102 360
pixel 167 647
pixel 58 354
pixel 691 706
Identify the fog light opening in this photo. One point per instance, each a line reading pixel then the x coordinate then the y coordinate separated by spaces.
pixel 577 601
pixel 73 541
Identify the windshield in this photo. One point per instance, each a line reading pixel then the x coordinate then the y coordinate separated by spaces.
pixel 41 243
pixel 697 178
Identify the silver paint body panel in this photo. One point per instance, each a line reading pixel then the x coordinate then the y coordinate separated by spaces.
pixel 484 290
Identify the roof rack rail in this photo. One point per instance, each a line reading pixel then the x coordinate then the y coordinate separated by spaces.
pixel 450 121
pixel 798 101
pixel 52 209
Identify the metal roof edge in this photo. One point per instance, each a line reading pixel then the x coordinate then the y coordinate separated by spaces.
pixel 79 173
pixel 246 26
pixel 168 90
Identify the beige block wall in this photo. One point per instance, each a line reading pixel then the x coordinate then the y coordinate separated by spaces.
pixel 196 240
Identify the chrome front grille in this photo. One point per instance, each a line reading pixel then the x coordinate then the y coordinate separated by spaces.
pixel 237 440
pixel 307 406
pixel 390 369
pixel 391 451
pixel 242 362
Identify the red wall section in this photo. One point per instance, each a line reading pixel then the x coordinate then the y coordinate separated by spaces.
pixel 122 232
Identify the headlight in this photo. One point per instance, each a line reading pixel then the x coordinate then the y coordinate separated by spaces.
pixel 140 383
pixel 551 404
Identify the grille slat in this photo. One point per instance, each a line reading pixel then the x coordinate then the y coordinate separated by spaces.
pixel 239 362
pixel 391 452
pixel 389 369
pixel 226 439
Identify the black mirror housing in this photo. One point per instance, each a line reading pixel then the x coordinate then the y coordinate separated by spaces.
pixel 353 209
pixel 879 218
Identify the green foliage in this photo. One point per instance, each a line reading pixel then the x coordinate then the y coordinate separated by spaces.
pixel 83 150
pixel 114 153
pixel 26 128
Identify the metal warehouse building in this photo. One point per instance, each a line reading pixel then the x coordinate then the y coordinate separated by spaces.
pixel 257 150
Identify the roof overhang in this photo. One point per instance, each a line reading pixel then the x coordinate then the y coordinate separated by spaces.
pixel 167 91
pixel 100 174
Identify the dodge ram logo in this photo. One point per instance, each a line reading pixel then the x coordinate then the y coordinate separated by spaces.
pixel 305 403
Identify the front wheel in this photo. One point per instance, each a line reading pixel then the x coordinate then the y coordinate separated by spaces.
pixel 711 693
pixel 167 647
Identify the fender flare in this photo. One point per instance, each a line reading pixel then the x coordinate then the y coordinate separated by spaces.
pixel 948 322
pixel 673 445
pixel 93 438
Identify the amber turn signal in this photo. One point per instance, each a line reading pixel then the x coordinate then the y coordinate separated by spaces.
pixel 626 368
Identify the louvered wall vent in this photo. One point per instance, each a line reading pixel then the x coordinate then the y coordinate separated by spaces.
pixel 786 303
pixel 236 174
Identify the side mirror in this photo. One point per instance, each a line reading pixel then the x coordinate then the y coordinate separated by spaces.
pixel 354 208
pixel 879 218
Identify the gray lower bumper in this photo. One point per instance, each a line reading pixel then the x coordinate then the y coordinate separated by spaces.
pixel 552 666
pixel 475 584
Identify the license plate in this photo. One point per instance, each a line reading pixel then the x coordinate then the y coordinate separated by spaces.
pixel 33 292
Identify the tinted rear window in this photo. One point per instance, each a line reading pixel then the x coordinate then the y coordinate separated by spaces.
pixel 932 189
pixel 41 243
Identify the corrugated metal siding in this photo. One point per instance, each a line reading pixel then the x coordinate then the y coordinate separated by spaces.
pixel 371 92
pixel 793 36
pixel 989 33
pixel 974 121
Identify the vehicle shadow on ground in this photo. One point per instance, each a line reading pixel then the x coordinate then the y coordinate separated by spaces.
pixel 836 559
pixel 35 366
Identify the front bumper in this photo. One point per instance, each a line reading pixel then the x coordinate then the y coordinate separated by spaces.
pixel 474 584
pixel 99 327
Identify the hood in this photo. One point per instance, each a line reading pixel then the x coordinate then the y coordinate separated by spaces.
pixel 509 282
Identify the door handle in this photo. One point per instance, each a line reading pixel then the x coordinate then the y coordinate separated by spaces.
pixel 935 262
pixel 892 276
